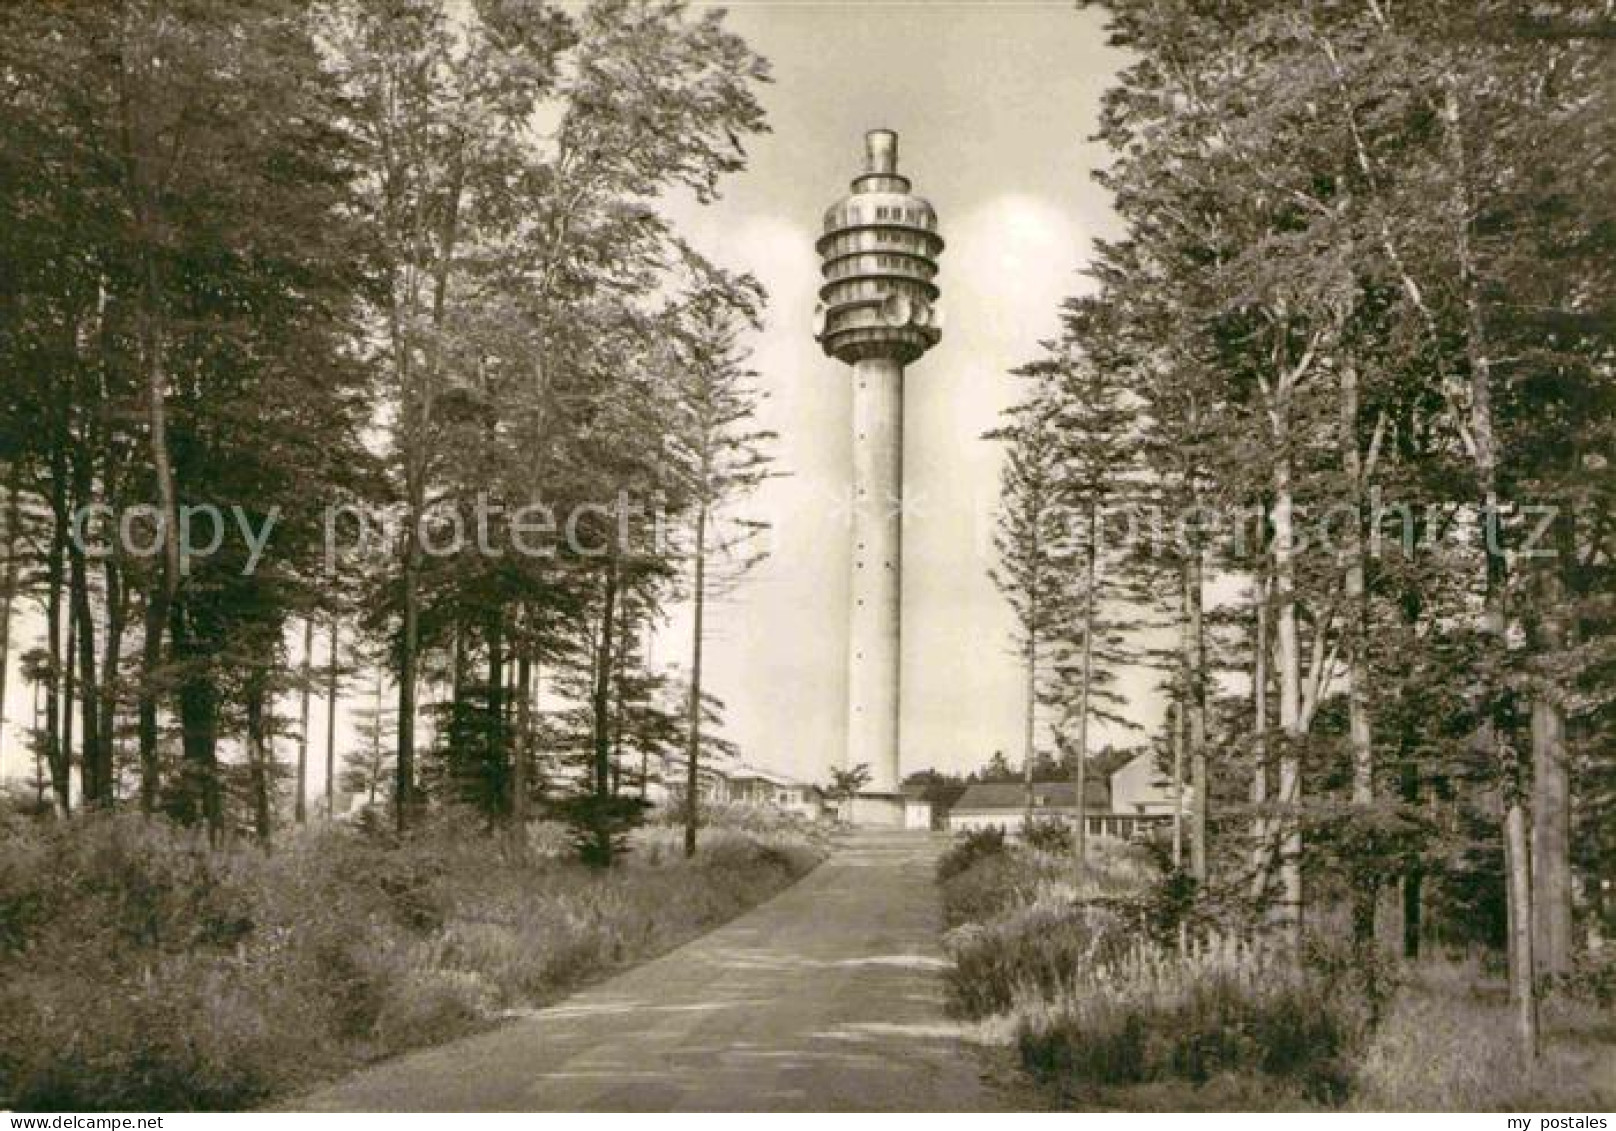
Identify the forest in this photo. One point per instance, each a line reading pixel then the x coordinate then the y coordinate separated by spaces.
pixel 287 268
pixel 350 354
pixel 272 269
pixel 1326 442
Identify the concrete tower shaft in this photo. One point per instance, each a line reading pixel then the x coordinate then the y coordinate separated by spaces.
pixel 877 312
pixel 874 654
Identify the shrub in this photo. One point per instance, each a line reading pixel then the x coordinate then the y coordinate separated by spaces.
pixel 428 1002
pixel 991 887
pixel 1594 978
pixel 600 825
pixel 996 883
pixel 141 969
pixel 1035 952
pixel 1170 903
pixel 1048 834
pixel 762 819
pixel 1447 1043
pixel 1144 1013
pixel 1086 973
pixel 974 845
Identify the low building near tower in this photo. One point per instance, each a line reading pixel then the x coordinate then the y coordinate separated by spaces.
pixel 1131 803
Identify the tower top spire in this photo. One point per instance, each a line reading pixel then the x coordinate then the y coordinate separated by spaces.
pixel 881 152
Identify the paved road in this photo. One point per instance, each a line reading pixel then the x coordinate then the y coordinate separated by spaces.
pixel 825 998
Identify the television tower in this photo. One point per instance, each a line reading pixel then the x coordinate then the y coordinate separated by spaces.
pixel 877 312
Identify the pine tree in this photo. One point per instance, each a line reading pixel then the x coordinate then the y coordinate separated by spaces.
pixel 725 453
pixel 1027 533
pixel 367 771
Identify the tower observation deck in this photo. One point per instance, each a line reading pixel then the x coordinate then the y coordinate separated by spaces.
pixel 879 259
pixel 877 312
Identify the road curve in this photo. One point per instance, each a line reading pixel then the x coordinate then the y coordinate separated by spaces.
pixel 826 998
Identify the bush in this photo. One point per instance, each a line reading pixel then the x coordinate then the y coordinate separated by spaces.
pixel 974 845
pixel 1033 953
pixel 1085 974
pixel 1448 1044
pixel 1145 1013
pixel 1048 834
pixel 141 969
pixel 763 819
pixel 428 1002
pixel 601 825
pixel 1594 978
pixel 989 888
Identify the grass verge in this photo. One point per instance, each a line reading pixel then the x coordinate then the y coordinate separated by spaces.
pixel 141 969
pixel 1105 1012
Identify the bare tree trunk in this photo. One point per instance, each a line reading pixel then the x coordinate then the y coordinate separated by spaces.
pixel 1195 700
pixel 375 775
pixel 164 591
pixel 1517 852
pixel 1414 873
pixel 1080 770
pixel 459 677
pixel 1029 737
pixel 620 701
pixel 1177 707
pixel 199 720
pixel 69 691
pixel 1259 777
pixel 111 657
pixel 1359 727
pixel 693 731
pixel 1484 449
pixel 56 752
pixel 95 765
pixel 602 701
pixel 418 399
pixel 157 423
pixel 645 752
pixel 332 691
pixel 1290 700
pixel 95 762
pixel 141 187
pixel 1551 839
pixel 258 757
pixel 154 624
pixel 8 583
pixel 1358 721
pixel 498 755
pixel 522 754
pixel 1523 968
pixel 41 771
pixel 409 645
pixel 300 812
pixel 1551 796
pixel 535 764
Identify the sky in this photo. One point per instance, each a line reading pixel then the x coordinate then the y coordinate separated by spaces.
pixel 994 104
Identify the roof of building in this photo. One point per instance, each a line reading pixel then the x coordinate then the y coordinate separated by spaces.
pixel 744 772
pixel 1012 796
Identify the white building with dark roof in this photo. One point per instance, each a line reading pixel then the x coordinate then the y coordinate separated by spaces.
pixel 1129 803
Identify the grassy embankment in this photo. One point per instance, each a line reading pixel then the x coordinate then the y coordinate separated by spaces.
pixel 1091 987
pixel 142 970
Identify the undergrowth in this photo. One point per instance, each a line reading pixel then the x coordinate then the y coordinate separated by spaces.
pixel 1110 1005
pixel 141 969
